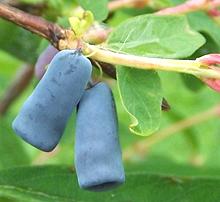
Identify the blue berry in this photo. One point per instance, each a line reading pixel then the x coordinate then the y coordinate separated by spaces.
pixel 43 117
pixel 98 158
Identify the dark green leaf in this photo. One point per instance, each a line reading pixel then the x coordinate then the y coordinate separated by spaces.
pixel 56 184
pixel 18 42
pixel 12 152
pixel 192 82
pixel 203 23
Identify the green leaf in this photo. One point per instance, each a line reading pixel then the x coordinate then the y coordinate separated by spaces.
pixel 8 69
pixel 191 82
pixel 161 165
pixel 56 184
pixel 6 200
pixel 12 152
pixel 156 36
pixel 204 24
pixel 18 42
pixel 209 47
pixel 98 8
pixel 141 95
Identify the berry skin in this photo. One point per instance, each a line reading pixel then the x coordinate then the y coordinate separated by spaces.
pixel 43 117
pixel 98 158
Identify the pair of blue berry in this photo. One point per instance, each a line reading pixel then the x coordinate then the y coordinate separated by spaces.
pixel 43 117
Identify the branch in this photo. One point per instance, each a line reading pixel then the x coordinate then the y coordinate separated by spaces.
pixel 50 31
pixel 117 4
pixel 194 67
pixel 19 84
pixel 186 7
pixel 56 35
pixel 190 6
pixel 215 15
pixel 35 9
pixel 142 147
pixel 107 68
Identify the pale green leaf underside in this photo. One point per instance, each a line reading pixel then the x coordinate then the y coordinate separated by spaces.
pixel 156 36
pixel 59 184
pixel 152 36
pixel 98 8
pixel 141 96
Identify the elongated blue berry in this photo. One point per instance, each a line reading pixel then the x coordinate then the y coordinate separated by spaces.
pixel 98 157
pixel 43 117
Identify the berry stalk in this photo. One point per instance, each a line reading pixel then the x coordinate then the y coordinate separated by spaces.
pixel 194 67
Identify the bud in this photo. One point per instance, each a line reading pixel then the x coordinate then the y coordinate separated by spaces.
pixel 211 61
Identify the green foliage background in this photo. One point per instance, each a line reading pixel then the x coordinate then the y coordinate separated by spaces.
pixel 167 172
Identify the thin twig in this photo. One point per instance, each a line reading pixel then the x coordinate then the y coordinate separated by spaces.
pixel 186 7
pixel 111 71
pixel 142 147
pixel 35 9
pixel 190 6
pixel 18 85
pixel 50 31
pixel 97 53
pixel 117 4
pixel 183 66
pixel 214 14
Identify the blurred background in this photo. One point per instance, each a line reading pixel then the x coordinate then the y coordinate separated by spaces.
pixel 192 150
